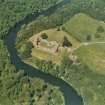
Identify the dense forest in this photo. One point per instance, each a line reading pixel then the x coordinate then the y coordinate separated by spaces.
pixel 12 11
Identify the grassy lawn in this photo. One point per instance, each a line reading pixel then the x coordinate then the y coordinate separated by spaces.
pixel 85 28
pixel 93 56
pixel 56 58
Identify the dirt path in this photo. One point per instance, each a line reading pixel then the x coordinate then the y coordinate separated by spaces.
pixel 86 44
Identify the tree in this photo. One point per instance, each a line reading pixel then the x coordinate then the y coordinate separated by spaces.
pixel 88 38
pixel 66 42
pixel 100 29
pixel 66 62
pixel 25 50
pixel 58 28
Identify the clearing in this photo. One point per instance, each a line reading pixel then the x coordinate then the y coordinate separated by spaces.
pixel 51 44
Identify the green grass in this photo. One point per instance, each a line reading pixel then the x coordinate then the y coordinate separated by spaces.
pixel 82 25
pixel 88 84
pixel 93 56
pixel 54 35
pixel 55 58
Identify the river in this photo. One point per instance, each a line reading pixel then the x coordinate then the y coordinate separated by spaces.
pixel 70 95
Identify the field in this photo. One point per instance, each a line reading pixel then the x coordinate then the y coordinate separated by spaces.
pixel 93 56
pixel 55 58
pixel 85 28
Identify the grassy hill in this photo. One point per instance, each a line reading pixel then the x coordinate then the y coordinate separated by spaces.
pixel 85 28
pixel 93 56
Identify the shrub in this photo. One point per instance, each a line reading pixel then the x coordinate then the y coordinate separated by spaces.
pixel 100 29
pixel 44 36
pixel 66 42
pixel 88 38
